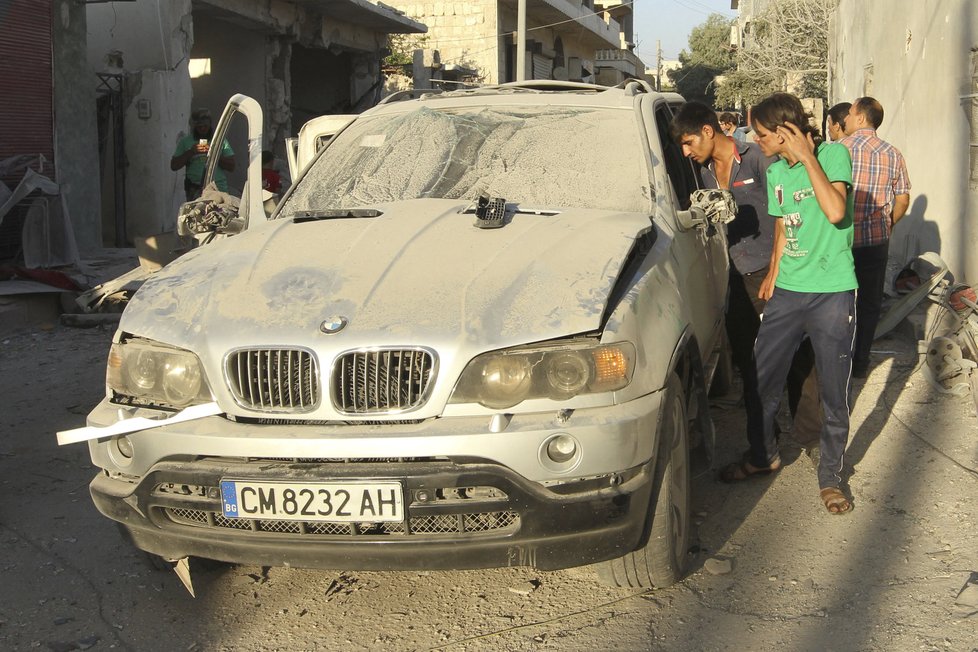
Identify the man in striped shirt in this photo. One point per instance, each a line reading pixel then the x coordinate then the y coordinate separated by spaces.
pixel 882 194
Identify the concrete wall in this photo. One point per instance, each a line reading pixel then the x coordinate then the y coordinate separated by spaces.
pixel 76 135
pixel 915 57
pixel 154 192
pixel 153 34
pixel 464 33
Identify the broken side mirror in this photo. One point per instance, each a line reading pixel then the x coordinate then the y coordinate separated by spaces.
pixel 718 206
pixel 692 218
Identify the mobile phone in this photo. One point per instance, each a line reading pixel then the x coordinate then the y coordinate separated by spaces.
pixel 202 141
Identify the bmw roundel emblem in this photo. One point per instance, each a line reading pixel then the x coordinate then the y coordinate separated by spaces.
pixel 333 324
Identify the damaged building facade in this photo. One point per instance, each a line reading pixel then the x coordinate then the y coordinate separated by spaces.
pixel 156 62
pixel 570 40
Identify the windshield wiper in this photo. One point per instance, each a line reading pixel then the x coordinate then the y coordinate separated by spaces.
pixel 334 214
pixel 515 209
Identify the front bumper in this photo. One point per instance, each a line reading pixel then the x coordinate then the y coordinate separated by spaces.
pixel 175 511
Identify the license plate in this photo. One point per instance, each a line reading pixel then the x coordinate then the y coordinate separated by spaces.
pixel 336 502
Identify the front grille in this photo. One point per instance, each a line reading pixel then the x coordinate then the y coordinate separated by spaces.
pixel 381 381
pixel 438 524
pixel 274 379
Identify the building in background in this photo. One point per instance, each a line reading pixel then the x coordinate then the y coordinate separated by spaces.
pixel 566 40
pixel 155 62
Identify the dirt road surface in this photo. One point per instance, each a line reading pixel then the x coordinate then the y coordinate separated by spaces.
pixel 898 573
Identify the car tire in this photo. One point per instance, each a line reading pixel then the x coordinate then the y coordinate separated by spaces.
pixel 662 560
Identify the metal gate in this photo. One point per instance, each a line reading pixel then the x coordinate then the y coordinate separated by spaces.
pixel 112 151
pixel 26 111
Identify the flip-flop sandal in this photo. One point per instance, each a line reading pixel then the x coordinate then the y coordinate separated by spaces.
pixel 835 501
pixel 740 471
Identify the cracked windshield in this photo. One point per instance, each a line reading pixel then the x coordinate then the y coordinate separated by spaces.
pixel 538 157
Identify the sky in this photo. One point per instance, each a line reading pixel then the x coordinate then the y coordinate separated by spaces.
pixel 671 21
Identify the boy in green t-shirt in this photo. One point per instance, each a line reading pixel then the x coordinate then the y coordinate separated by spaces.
pixel 810 287
pixel 191 152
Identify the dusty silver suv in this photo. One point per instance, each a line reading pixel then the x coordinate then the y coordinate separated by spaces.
pixel 478 332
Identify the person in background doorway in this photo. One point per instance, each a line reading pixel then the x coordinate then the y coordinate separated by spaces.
pixel 810 286
pixel 741 168
pixel 882 190
pixel 728 123
pixel 271 180
pixel 191 153
pixel 835 121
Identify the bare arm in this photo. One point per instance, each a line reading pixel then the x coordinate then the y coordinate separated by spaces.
pixel 900 205
pixel 831 196
pixel 181 160
pixel 767 285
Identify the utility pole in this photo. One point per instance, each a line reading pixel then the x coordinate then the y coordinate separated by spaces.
pixel 521 40
pixel 658 64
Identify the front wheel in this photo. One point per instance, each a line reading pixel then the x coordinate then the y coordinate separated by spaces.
pixel 662 560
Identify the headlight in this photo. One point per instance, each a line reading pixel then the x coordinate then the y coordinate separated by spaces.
pixel 504 378
pixel 142 372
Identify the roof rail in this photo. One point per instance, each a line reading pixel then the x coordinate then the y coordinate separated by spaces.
pixel 410 94
pixel 552 85
pixel 636 86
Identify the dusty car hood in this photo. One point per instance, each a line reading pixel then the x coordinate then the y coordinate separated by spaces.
pixel 421 273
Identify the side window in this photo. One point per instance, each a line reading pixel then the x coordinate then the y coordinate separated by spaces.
pixel 685 178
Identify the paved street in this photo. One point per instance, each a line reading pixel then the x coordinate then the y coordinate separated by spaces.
pixel 886 577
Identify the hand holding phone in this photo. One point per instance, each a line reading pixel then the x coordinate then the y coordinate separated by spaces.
pixel 202 146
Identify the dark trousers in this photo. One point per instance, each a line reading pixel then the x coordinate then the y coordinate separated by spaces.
pixel 191 189
pixel 870 272
pixel 829 320
pixel 743 321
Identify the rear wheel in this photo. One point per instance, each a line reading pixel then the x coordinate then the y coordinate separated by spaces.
pixel 662 560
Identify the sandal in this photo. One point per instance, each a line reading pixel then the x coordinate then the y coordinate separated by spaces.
pixel 744 470
pixel 835 501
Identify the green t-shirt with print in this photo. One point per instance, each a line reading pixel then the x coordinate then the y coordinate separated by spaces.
pixel 817 255
pixel 196 167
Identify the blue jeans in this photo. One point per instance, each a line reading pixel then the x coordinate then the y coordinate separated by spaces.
pixel 829 320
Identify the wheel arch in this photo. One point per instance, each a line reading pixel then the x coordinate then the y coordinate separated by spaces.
pixel 688 365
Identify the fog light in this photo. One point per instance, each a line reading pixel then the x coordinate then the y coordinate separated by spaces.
pixel 124 446
pixel 561 448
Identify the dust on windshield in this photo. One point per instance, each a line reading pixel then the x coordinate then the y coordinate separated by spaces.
pixel 542 157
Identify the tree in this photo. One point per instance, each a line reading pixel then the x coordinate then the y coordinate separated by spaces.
pixel 786 48
pixel 709 56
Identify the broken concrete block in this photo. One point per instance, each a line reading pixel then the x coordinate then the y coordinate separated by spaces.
pixel 718 565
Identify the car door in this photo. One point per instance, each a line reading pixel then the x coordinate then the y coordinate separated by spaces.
pixel 313 136
pixel 700 249
pixel 251 211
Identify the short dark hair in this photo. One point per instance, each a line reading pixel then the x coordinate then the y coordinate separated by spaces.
pixel 778 108
pixel 691 118
pixel 201 114
pixel 872 109
pixel 727 116
pixel 839 112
